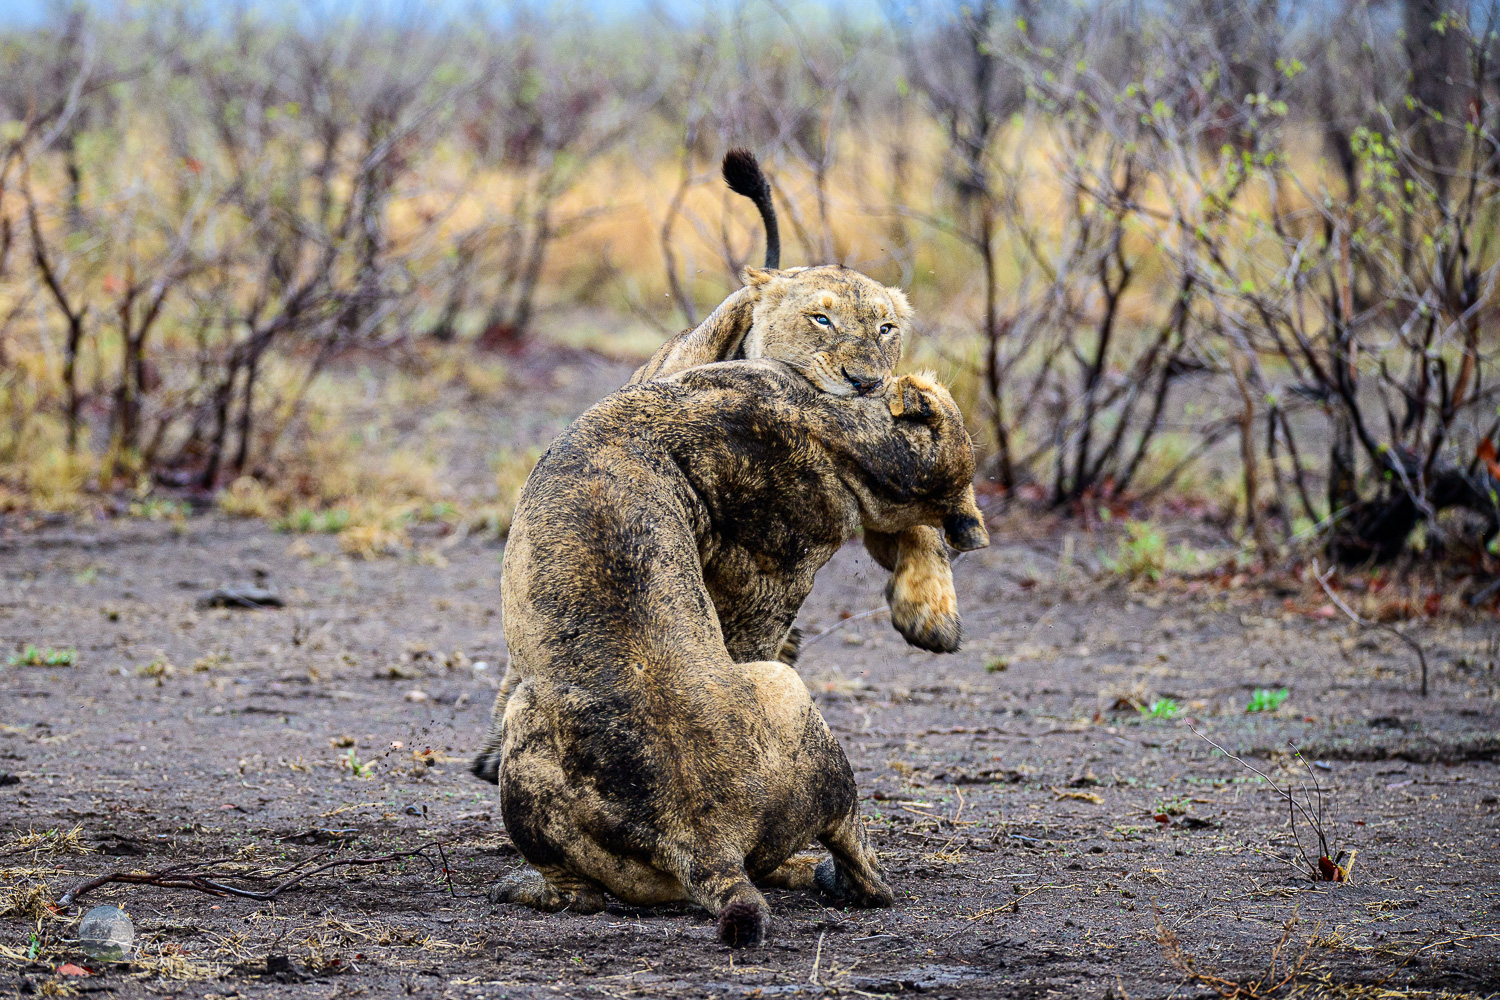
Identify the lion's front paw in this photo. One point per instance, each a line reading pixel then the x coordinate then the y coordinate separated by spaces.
pixel 924 609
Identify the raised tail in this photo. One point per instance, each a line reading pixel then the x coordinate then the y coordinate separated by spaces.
pixel 743 175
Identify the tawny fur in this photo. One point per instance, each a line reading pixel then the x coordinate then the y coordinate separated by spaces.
pixel 646 743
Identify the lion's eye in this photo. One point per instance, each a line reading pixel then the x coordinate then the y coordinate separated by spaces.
pixel 821 320
pixel 885 329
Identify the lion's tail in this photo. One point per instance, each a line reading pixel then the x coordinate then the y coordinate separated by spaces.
pixel 743 175
pixel 716 880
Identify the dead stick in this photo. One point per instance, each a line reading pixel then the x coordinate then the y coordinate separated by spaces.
pixel 1363 623
pixel 176 878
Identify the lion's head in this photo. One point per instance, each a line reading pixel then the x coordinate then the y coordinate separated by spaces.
pixel 932 467
pixel 840 329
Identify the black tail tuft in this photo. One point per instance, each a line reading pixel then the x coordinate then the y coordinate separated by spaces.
pixel 791 647
pixel 743 175
pixel 486 766
pixel 743 924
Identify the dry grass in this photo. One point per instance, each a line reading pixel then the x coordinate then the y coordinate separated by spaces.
pixel 47 842
pixel 32 903
pixel 157 958
pixel 1281 972
pixel 1326 988
pixel 337 448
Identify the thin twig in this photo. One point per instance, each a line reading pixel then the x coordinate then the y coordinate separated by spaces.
pixel 1293 808
pixel 197 878
pixel 841 623
pixel 1338 602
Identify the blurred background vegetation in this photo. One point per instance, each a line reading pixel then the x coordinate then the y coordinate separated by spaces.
pixel 1233 257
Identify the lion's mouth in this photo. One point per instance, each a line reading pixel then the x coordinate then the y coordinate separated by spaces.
pixel 862 384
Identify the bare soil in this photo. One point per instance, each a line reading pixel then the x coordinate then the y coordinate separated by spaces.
pixel 1044 837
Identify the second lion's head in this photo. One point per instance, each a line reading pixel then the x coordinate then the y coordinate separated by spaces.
pixel 839 328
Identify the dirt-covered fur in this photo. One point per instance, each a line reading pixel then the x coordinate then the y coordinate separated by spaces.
pixel 646 743
pixel 842 331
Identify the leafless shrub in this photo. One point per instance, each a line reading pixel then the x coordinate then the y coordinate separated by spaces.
pixel 1328 866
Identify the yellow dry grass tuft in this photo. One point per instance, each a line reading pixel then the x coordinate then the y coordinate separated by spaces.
pixel 39 842
pixel 157 958
pixel 32 903
pixel 372 540
pixel 247 497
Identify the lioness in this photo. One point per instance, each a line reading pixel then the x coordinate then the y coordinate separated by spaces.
pixel 842 331
pixel 651 747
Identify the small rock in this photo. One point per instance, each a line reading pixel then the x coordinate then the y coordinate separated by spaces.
pixel 106 934
pixel 8 779
pixel 243 595
pixel 284 969
pixel 416 695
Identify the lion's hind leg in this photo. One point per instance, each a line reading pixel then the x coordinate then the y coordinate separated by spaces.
pixel 852 875
pixel 828 802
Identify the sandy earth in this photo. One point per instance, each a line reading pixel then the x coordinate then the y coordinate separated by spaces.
pixel 1043 836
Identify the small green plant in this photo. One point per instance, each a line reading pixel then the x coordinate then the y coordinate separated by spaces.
pixel 352 762
pixel 1177 805
pixel 997 665
pixel 1161 708
pixel 32 656
pixel 1142 553
pixel 154 509
pixel 1265 700
pixel 159 669
pixel 304 521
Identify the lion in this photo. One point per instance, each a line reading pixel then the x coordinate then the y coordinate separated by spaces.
pixel 842 330
pixel 646 744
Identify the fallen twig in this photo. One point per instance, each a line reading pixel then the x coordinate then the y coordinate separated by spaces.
pixel 1338 602
pixel 1267 985
pixel 201 877
pixel 841 623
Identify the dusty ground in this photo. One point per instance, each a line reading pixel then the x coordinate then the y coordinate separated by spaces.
pixel 1042 840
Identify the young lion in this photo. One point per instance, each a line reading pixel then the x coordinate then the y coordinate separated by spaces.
pixel 842 331
pixel 651 747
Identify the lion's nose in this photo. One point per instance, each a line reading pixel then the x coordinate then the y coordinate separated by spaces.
pixel 863 384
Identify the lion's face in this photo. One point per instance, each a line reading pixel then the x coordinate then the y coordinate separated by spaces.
pixel 840 329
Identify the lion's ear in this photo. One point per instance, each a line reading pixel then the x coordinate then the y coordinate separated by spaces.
pixel 909 402
pixel 760 275
pixel 901 303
